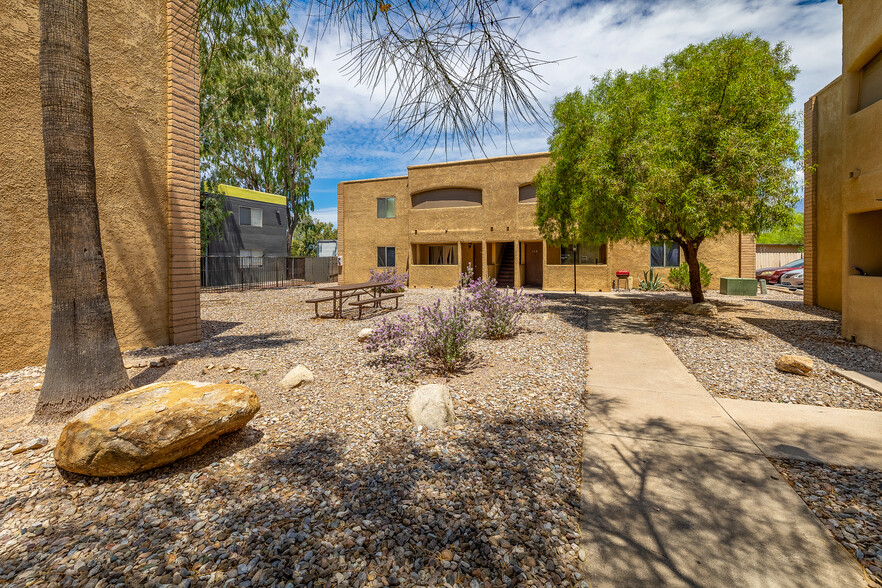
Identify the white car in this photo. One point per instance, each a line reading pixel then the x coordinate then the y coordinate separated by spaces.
pixel 792 280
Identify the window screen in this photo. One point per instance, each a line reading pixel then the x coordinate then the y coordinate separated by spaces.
pixel 871 82
pixel 250 216
pixel 385 207
pixel 665 254
pixel 385 257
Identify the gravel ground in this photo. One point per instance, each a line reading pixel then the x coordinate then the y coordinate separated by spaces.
pixel 734 354
pixel 849 503
pixel 329 485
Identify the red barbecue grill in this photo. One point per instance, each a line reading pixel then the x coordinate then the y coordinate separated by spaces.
pixel 623 276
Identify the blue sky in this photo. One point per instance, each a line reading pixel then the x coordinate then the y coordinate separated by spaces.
pixel 589 37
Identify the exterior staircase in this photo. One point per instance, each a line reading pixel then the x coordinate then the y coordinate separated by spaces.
pixel 505 276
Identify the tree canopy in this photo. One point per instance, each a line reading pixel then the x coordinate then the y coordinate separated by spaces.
pixel 260 126
pixel 698 147
pixel 790 234
pixel 307 235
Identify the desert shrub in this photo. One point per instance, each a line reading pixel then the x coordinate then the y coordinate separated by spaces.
pixel 651 282
pixel 499 310
pixel 399 280
pixel 679 276
pixel 437 337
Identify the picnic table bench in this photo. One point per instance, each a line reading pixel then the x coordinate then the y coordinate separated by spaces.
pixel 342 292
pixel 376 301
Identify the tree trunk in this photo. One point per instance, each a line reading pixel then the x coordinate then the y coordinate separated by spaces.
pixel 84 363
pixel 690 249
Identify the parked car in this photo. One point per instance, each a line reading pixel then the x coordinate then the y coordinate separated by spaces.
pixel 792 280
pixel 772 274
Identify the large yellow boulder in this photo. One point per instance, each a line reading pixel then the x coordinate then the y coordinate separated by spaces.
pixel 152 426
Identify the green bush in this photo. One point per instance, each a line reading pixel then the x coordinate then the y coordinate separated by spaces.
pixel 679 276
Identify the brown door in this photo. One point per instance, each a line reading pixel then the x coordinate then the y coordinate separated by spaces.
pixel 533 263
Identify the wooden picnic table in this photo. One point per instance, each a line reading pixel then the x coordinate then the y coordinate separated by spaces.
pixel 343 292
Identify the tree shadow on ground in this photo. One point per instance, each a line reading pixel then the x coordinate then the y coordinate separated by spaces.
pixel 658 514
pixel 487 499
pixel 821 339
pixel 668 317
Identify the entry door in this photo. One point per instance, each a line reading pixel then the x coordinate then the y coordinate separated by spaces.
pixel 533 263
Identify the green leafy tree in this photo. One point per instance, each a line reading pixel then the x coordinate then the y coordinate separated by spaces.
pixel 791 234
pixel 261 128
pixel 698 147
pixel 212 215
pixel 307 235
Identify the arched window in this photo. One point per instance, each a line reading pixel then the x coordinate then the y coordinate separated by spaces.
pixel 527 193
pixel 446 198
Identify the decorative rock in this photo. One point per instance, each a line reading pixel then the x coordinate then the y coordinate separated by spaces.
pixel 431 406
pixel 299 376
pixel 702 309
pixel 795 364
pixel 365 334
pixel 31 445
pixel 142 438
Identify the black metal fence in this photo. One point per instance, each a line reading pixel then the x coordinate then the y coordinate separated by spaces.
pixel 221 273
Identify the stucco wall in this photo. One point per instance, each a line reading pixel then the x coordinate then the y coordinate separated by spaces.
pixel 846 185
pixel 128 57
pixel 361 232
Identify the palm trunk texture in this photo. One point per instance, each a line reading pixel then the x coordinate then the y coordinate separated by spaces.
pixel 84 363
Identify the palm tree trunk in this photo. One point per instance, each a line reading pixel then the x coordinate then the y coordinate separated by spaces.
pixel 84 363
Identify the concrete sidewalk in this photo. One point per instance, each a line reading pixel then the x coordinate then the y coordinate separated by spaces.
pixel 674 493
pixel 838 436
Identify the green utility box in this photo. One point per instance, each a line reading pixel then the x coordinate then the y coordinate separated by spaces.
pixel 738 286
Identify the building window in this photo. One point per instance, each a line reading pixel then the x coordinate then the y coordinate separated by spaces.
pixel 585 255
pixel 527 193
pixel 446 198
pixel 871 82
pixel 385 207
pixel 442 254
pixel 665 254
pixel 385 257
pixel 251 258
pixel 250 217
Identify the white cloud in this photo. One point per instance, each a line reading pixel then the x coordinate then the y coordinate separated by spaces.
pixel 588 38
pixel 326 215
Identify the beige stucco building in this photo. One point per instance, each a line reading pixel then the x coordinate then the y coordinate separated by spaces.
pixel 843 181
pixel 439 218
pixel 146 100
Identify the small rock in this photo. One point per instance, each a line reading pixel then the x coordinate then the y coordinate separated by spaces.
pixel 297 377
pixel 795 364
pixel 30 445
pixel 431 406
pixel 702 309
pixel 446 555
pixel 365 334
pixel 38 386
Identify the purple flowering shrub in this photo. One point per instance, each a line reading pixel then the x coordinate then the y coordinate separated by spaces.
pixel 438 337
pixel 500 310
pixel 399 281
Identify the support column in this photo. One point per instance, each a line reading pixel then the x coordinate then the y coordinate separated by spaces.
pixel 517 264
pixel 182 160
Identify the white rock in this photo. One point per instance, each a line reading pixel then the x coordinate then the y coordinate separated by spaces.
pixel 31 445
pixel 431 406
pixel 297 377
pixel 364 334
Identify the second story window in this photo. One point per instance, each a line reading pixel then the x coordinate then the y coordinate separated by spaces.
pixel 386 207
pixel 250 217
